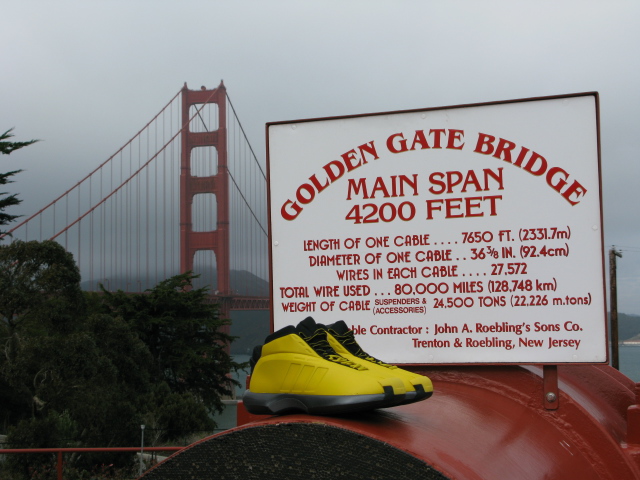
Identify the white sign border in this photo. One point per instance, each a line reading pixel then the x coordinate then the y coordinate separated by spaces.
pixel 593 94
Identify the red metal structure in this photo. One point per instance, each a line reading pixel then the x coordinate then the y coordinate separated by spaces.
pixel 483 422
pixel 218 184
pixel 489 422
pixel 143 214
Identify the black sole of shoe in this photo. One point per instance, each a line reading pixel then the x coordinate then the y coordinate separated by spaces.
pixel 418 395
pixel 280 403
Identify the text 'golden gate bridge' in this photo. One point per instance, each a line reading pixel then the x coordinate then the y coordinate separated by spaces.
pixel 186 193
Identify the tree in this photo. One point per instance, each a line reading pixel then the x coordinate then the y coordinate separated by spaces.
pixel 38 281
pixel 6 148
pixel 184 334
pixel 87 369
pixel 40 299
pixel 84 388
pixel 67 378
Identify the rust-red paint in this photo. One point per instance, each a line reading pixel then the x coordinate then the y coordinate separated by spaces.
pixel 491 422
pixel 218 184
pixel 550 387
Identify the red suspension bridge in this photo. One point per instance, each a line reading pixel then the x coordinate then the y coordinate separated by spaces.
pixel 186 193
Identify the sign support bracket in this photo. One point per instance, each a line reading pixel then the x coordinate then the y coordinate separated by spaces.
pixel 551 394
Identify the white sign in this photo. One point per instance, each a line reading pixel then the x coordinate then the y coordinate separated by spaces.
pixel 467 234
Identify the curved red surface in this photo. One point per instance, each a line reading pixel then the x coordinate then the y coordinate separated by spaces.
pixel 490 422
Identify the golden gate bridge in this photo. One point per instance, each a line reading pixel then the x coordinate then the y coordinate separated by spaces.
pixel 186 193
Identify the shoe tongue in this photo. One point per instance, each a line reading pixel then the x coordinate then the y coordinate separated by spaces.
pixel 316 336
pixel 340 327
pixel 308 326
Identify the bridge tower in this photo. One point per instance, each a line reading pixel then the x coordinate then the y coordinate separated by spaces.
pixel 217 240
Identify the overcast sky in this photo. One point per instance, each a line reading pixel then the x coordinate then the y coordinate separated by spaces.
pixel 85 76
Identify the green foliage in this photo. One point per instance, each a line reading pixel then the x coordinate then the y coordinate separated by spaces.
pixel 6 147
pixel 175 416
pixel 82 369
pixel 53 429
pixel 38 281
pixel 40 302
pixel 184 335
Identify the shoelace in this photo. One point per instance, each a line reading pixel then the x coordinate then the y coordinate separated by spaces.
pixel 321 346
pixel 348 340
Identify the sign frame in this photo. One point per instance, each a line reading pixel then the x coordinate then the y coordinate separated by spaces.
pixel 273 142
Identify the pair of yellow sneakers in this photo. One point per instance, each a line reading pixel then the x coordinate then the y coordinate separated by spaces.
pixel 322 370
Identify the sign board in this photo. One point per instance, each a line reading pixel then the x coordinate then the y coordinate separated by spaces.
pixel 467 234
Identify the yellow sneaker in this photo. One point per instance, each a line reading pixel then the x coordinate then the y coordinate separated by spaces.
pixel 343 341
pixel 297 371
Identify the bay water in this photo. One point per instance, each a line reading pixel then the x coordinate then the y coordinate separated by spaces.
pixel 629 358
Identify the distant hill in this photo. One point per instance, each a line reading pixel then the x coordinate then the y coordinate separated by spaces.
pixel 628 326
pixel 242 283
pixel 251 327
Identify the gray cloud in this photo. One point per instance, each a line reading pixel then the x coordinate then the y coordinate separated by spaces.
pixel 86 76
